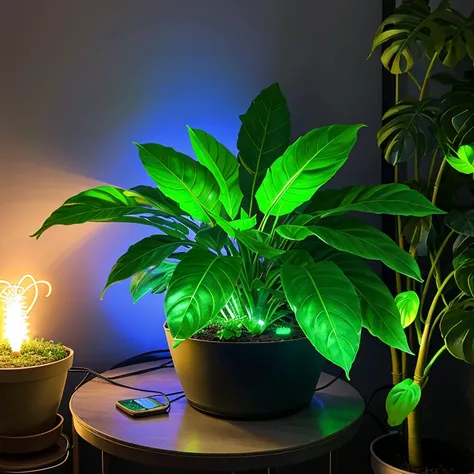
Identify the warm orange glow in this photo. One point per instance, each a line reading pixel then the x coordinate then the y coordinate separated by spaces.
pixel 16 309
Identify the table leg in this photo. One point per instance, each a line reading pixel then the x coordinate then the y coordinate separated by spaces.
pixel 272 470
pixel 105 463
pixel 75 451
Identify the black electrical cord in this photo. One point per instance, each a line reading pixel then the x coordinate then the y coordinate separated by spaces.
pixel 131 360
pixel 375 392
pixel 168 363
pixel 337 377
pixel 113 382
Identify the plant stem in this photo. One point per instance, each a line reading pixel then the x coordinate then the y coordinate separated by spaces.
pixel 433 360
pixel 414 79
pixel 397 89
pixel 396 372
pixel 428 75
pixel 417 166
pixel 421 360
pixel 438 181
pixel 432 165
pixel 433 269
pixel 415 453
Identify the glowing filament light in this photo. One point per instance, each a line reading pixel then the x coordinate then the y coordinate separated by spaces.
pixel 16 309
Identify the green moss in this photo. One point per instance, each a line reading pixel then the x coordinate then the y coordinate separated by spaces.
pixel 33 352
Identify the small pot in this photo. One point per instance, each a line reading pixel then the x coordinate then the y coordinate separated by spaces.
pixel 247 380
pixel 389 451
pixel 30 397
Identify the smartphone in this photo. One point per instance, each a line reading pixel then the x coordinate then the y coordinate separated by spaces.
pixel 146 406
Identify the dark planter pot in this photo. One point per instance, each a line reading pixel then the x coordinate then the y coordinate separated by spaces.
pixel 390 451
pixel 247 380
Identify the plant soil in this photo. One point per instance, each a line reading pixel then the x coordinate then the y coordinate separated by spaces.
pixel 269 335
pixel 33 353
pixel 440 469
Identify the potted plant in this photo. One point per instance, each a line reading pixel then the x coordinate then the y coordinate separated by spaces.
pixel 263 272
pixel 32 374
pixel 429 136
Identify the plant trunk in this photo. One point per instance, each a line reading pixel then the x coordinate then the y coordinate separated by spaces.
pixel 415 454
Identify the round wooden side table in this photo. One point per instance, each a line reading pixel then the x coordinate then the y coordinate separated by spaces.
pixel 189 440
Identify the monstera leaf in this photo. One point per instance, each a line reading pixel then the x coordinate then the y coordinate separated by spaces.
pixel 263 137
pixel 411 24
pixel 394 199
pixel 327 309
pixel 461 222
pixel 222 164
pixel 461 40
pixel 149 252
pixel 457 329
pixel 404 132
pixel 106 204
pixel 353 236
pixel 304 167
pixel 401 401
pixel 455 125
pixel 152 280
pixel 380 315
pixel 182 179
pixel 464 277
pixel 201 285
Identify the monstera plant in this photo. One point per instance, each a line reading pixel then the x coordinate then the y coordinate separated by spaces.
pixel 243 243
pixel 428 137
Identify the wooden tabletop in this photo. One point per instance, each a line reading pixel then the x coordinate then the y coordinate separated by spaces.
pixel 188 439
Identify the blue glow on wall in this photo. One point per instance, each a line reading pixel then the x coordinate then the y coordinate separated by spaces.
pixel 212 105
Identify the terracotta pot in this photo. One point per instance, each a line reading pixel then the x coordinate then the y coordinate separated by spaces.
pixel 247 380
pixel 30 397
pixel 390 451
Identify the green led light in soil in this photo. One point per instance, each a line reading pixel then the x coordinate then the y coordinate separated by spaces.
pixel 283 331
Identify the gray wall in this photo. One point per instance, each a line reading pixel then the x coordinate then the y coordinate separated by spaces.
pixel 83 79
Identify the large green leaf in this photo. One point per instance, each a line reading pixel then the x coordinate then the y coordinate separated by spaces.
pixel 201 285
pixel 304 167
pixel 212 237
pixel 461 40
pixel 457 329
pixel 407 303
pixel 464 161
pixel 461 222
pixel 405 130
pixel 257 241
pixel 411 24
pixel 327 309
pixel 148 195
pixel 149 252
pixel 152 280
pixel 401 401
pixel 222 164
pixel 464 277
pixel 354 236
pixel 263 137
pixel 182 179
pixel 103 204
pixel 455 126
pixel 393 199
pixel 380 315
